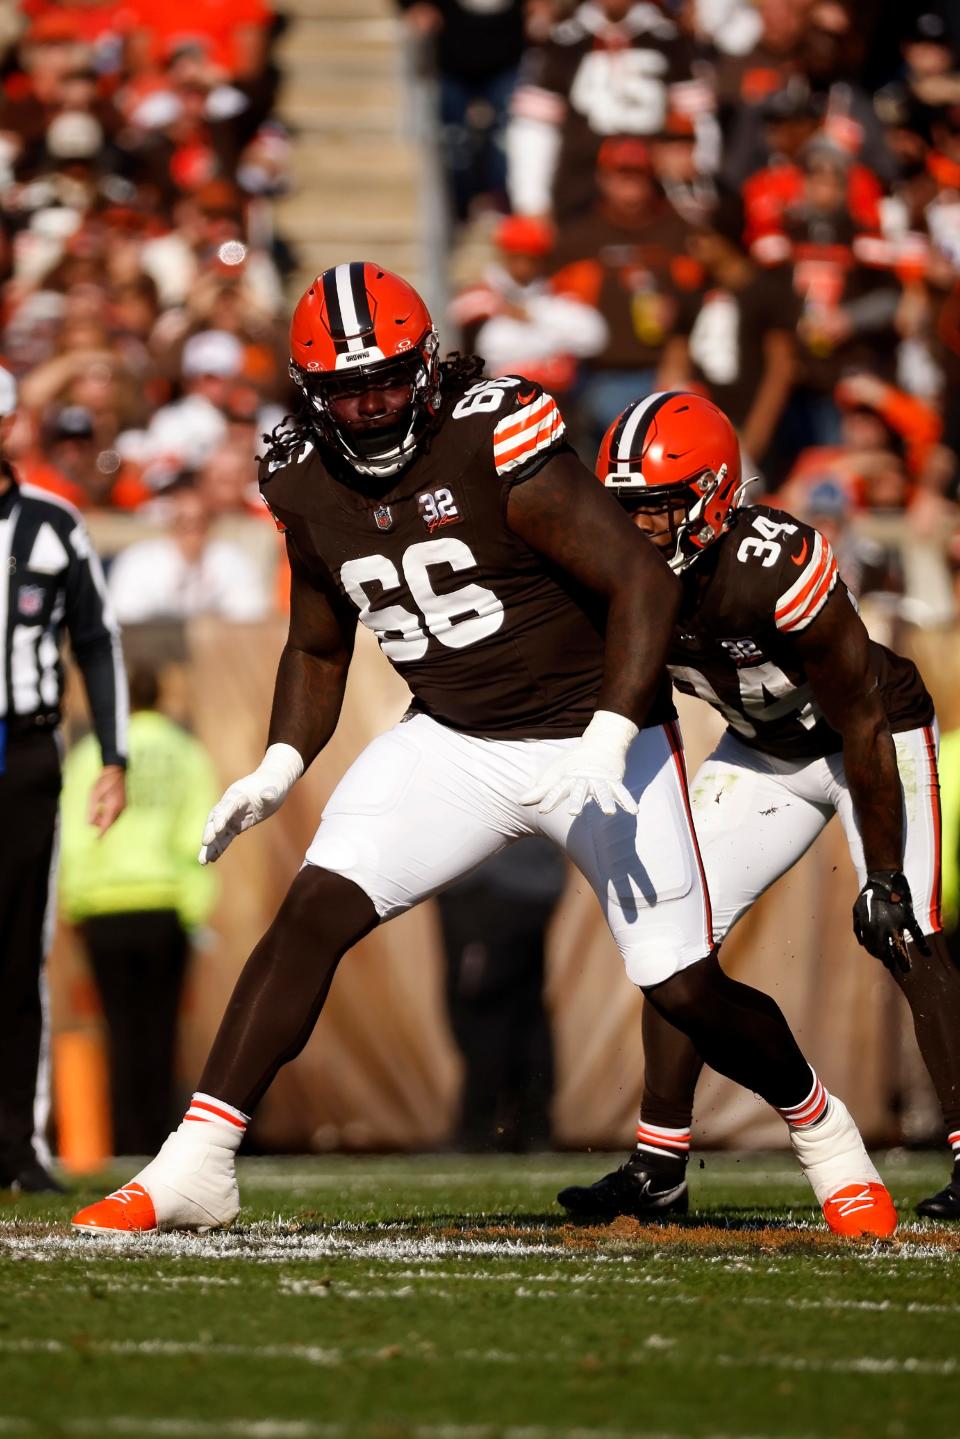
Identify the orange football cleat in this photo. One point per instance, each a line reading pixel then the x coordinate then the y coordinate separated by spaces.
pixel 861 1209
pixel 126 1210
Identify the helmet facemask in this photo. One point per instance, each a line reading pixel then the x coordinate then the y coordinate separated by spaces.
pixel 379 452
pixel 706 511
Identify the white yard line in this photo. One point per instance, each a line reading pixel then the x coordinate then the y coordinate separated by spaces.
pixel 654 1349
pixel 309 1429
pixel 273 1242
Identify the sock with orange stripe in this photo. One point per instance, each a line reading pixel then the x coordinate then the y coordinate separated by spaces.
pixel 810 1110
pixel 661 1147
pixel 226 1124
pixel 954 1142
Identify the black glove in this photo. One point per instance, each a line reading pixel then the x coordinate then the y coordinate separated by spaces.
pixel 883 917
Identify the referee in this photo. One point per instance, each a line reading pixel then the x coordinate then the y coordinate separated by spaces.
pixel 50 581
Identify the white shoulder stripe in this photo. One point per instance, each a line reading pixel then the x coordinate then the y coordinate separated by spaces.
pixel 790 597
pixel 518 420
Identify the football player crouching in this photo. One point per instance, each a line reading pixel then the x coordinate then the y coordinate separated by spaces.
pixel 449 515
pixel 820 721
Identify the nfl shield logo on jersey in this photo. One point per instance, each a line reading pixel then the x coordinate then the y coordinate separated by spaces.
pixel 30 600
pixel 383 517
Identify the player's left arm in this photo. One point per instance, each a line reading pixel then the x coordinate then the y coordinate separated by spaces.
pixel 577 526
pixel 836 654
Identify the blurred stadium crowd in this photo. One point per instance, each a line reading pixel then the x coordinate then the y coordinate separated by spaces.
pixel 143 305
pixel 758 199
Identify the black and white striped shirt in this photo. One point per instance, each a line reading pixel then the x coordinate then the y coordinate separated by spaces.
pixel 51 582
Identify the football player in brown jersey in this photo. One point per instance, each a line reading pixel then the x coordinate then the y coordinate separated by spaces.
pixel 448 514
pixel 821 721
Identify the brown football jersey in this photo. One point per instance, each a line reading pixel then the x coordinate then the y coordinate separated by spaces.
pixel 490 640
pixel 593 79
pixel 762 583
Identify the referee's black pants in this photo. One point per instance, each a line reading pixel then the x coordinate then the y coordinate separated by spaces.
pixel 29 796
pixel 494 943
pixel 139 959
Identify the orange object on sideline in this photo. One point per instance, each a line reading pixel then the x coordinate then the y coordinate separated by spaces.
pixel 81 1100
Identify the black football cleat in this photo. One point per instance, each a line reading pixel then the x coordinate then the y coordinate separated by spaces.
pixel 946 1203
pixel 635 1189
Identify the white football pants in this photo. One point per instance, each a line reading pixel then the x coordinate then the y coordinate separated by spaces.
pixel 756 816
pixel 423 805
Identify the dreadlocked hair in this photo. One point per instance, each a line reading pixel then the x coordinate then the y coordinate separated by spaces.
pixel 285 439
pixel 460 369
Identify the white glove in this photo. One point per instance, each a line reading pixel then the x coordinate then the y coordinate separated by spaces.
pixel 591 770
pixel 251 799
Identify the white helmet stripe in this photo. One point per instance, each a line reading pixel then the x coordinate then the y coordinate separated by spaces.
pixel 349 318
pixel 624 448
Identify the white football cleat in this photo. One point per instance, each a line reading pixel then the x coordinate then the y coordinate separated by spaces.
pixel 192 1184
pixel 842 1175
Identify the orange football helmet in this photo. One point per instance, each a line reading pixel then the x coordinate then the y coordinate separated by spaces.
pixel 673 450
pixel 359 327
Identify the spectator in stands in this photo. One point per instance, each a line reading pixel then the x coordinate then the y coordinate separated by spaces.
pixel 477 55
pixel 207 223
pixel 629 260
pixel 515 320
pixel 815 62
pixel 137 894
pixel 930 74
pixel 746 78
pixel 741 348
pixel 75 466
pixel 89 371
pixel 187 430
pixel 678 163
pixel 614 68
pixel 793 118
pixel 235 36
pixel 884 442
pixel 223 298
pixel 866 565
pixel 227 483
pixel 186 572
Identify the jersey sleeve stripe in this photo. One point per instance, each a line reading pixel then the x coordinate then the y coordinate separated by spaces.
pixel 802 583
pixel 512 424
pixel 800 618
pixel 532 441
pixel 804 609
pixel 546 423
pixel 793 603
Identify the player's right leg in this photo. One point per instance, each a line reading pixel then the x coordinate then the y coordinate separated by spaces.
pixel 751 828
pixel 415 811
pixel 655 900
pixel 191 1184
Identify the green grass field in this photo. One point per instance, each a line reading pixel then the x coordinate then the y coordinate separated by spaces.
pixel 447 1298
